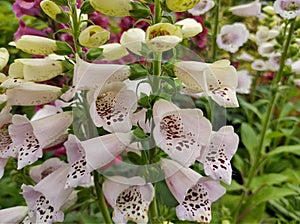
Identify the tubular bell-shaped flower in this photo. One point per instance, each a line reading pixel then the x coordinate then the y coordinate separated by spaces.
pixel 232 37
pixel 45 199
pixel 35 70
pixel 93 36
pixel 30 137
pixel 181 5
pixel 130 198
pixel 112 7
pixel 218 152
pixel 249 9
pixel 113 51
pixel 132 39
pixel 4 56
pixel 180 132
pixel 287 9
pixel 202 7
pixel 244 82
pixel 112 107
pixel 92 154
pixel 193 192
pixel 13 214
pixel 163 36
pixel 218 80
pixel 190 27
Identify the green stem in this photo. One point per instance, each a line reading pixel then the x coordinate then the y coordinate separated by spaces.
pixel 275 94
pixel 75 25
pixel 215 30
pixel 101 199
pixel 157 12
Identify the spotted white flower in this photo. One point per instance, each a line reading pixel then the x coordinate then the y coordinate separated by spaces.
pixel 288 9
pixel 232 37
pixel 217 80
pixel 36 70
pixel 4 56
pixel 163 36
pixel 13 214
pixel 112 7
pixel 133 39
pixel 190 27
pixel 112 107
pixel 244 82
pixel 202 7
pixel 44 200
pixel 194 193
pixel 180 132
pixel 113 51
pixel 30 137
pixel 92 154
pixel 249 9
pixel 181 5
pixel 129 197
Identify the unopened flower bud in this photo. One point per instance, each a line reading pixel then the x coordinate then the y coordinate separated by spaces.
pixel 4 56
pixel 190 27
pixel 181 5
pixel 112 7
pixel 93 36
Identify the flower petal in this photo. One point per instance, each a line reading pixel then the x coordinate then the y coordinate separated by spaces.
pixel 13 214
pixel 113 51
pixel 2 165
pixel 181 5
pixel 112 7
pixel 245 10
pixel 133 39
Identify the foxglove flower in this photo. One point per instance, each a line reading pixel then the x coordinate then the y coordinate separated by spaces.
pixel 244 56
pixel 49 110
pixel 112 7
pixel 296 66
pixel 93 36
pixel 180 132
pixel 51 9
pixel 39 172
pixel 163 36
pixel 35 70
pixel 30 93
pixel 13 214
pixel 288 9
pixel 27 7
pixel 45 199
pixel 264 34
pixel 4 56
pixel 189 27
pixel 129 197
pixel 202 7
pixel 132 39
pixel 193 192
pixel 113 51
pixel 217 154
pixel 249 9
pixel 36 45
pixel 112 107
pixel 218 80
pixel 232 37
pixel 25 30
pixel 244 82
pixel 181 5
pixel 259 65
pixel 30 137
pixel 92 154
pixel 266 49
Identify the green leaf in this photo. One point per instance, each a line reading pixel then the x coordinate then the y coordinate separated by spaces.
pixel 138 71
pixel 249 139
pixel 250 107
pixel 61 2
pixel 139 133
pixel 139 10
pixel 135 158
pixel 63 48
pixel 164 194
pixel 144 101
pixel 267 179
pixel 255 215
pixel 87 8
pixel 94 54
pixel 294 149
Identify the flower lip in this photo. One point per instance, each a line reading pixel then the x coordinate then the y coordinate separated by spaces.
pixel 288 9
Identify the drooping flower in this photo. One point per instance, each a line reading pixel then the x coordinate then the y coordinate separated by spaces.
pixel 273 63
pixel 4 56
pixel 112 107
pixel 264 34
pixel 132 39
pixel 218 152
pixel 202 7
pixel 92 154
pixel 244 56
pixel 13 214
pixel 93 36
pixel 26 7
pixel 181 5
pixel 36 45
pixel 266 49
pixel 45 199
pixel 48 110
pixel 112 7
pixel 35 70
pixel 25 30
pixel 296 66
pixel 287 9
pixel 232 37
pixel 249 9
pixel 30 137
pixel 113 51
pixel 189 27
pixel 39 172
pixel 259 65
pixel 163 36
pixel 218 80
pixel 180 132
pixel 130 198
pixel 244 82
pixel 51 9
pixel 193 192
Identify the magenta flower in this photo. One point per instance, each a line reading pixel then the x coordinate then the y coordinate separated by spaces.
pixel 180 132
pixel 25 30
pixel 27 7
pixel 193 192
pixel 129 197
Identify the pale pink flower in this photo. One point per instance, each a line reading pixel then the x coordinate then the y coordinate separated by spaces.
pixel 244 82
pixel 288 9
pixel 13 214
pixel 202 7
pixel 249 9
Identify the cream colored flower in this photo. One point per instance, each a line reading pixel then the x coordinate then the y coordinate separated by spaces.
pixel 132 39
pixel 181 5
pixel 37 70
pixel 190 27
pixel 163 36
pixel 112 7
pixel 93 36
pixel 4 56
pixel 113 51
pixel 50 8
pixel 36 45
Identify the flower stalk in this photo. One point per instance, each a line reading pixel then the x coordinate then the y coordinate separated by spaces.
pixel 215 30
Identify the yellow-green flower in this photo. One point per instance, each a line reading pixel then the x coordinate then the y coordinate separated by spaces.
pixel 113 51
pixel 50 8
pixel 190 27
pixel 36 45
pixel 4 56
pixel 93 36
pixel 181 5
pixel 163 36
pixel 37 70
pixel 112 7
